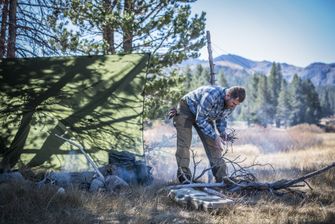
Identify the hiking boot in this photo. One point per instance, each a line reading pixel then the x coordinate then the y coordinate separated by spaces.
pixel 184 175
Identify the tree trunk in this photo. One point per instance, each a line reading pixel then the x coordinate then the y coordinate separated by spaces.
pixel 127 27
pixel 108 29
pixel 12 29
pixel 3 27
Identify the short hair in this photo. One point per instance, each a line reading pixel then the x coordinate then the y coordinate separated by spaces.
pixel 237 92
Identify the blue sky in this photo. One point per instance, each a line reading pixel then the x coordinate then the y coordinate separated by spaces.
pixel 297 32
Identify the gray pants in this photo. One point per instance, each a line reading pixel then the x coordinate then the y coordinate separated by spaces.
pixel 183 123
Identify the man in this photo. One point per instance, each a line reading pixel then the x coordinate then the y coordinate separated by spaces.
pixel 205 108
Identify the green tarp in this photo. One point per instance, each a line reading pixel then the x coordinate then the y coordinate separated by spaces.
pixel 96 100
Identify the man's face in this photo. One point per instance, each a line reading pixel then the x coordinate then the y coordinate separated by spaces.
pixel 231 103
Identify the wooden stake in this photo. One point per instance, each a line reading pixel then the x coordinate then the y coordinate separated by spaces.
pixel 210 58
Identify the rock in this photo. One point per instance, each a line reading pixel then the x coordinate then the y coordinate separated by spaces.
pixel 96 185
pixel 115 184
pixel 11 177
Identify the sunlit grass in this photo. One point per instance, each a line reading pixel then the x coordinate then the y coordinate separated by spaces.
pixel 26 204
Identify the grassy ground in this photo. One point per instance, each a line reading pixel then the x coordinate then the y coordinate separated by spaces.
pixel 23 203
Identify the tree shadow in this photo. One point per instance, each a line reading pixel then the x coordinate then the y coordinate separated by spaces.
pixel 96 99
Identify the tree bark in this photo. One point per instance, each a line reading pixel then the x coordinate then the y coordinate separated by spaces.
pixel 3 27
pixel 127 27
pixel 108 29
pixel 12 29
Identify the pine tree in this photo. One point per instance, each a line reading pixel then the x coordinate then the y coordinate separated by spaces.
pixel 262 109
pixel 274 85
pixel 283 107
pixel 129 26
pixel 200 76
pixel 311 99
pixel 188 78
pixel 205 77
pixel 221 79
pixel 166 29
pixel 327 100
pixel 296 100
pixel 248 110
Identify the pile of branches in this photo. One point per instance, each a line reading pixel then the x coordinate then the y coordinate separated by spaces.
pixel 242 180
pixel 233 185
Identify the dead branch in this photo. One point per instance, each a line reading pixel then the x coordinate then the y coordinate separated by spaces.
pixel 202 173
pixel 309 175
pixel 277 185
pixel 195 165
pixel 87 156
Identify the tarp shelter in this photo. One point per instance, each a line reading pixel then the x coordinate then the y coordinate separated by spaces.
pixel 94 100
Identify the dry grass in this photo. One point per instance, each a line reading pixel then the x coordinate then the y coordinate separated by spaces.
pixel 23 203
pixel 274 139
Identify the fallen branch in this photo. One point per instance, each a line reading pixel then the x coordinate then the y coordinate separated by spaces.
pixel 309 175
pixel 277 185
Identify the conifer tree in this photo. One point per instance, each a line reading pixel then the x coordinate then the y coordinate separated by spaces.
pixel 283 107
pixel 327 100
pixel 200 77
pixel 274 85
pixel 312 113
pixel 248 108
pixel 221 79
pixel 188 78
pixel 296 100
pixel 262 108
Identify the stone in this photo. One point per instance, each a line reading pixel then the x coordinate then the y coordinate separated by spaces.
pixel 115 184
pixel 96 185
pixel 11 177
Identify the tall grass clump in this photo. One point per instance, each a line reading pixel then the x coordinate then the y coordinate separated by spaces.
pixel 25 203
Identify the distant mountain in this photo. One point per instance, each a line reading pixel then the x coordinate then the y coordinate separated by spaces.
pixel 237 69
pixel 320 73
pixel 235 59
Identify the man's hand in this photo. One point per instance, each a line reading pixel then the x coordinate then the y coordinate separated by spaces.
pixel 218 143
pixel 228 137
pixel 172 112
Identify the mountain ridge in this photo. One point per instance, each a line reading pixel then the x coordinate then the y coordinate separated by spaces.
pixel 320 73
